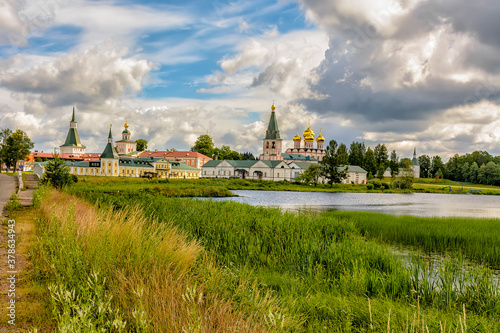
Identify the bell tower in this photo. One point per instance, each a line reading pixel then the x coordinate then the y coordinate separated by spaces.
pixel 271 145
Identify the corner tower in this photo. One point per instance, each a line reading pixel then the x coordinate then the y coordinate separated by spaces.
pixel 271 145
pixel 125 145
pixel 109 158
pixel 72 145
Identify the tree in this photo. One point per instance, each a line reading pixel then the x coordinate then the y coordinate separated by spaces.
pixel 330 166
pixel 225 153
pixel 310 175
pixel 381 155
pixel 15 148
pixel 247 156
pixel 57 173
pixel 472 173
pixel 436 165
pixel 406 175
pixel 4 134
pixel 425 165
pixel 204 145
pixel 489 173
pixel 369 162
pixel 142 144
pixel 394 164
pixel 343 156
pixel 356 153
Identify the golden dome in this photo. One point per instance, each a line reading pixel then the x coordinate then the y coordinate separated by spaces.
pixel 308 133
pixel 320 137
pixel 297 137
pixel 126 124
pixel 273 107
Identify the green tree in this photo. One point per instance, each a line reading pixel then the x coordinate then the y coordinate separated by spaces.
pixel 436 165
pixel 247 156
pixel 4 134
pixel 225 153
pixel 310 175
pixel 57 173
pixel 406 175
pixel 489 174
pixel 15 148
pixel 472 173
pixel 394 164
pixel 342 155
pixel 369 162
pixel 425 165
pixel 330 165
pixel 381 155
pixel 356 153
pixel 204 145
pixel 142 144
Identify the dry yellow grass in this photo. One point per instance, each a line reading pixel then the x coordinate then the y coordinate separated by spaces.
pixel 148 268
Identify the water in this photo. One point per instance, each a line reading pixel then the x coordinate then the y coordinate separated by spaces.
pixel 416 204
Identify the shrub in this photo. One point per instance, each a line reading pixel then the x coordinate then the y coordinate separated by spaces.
pixel 369 186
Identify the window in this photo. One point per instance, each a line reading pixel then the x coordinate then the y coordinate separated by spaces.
pixel 273 146
pixel 267 144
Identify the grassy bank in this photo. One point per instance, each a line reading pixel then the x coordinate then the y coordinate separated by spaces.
pixel 320 270
pixel 118 271
pixel 476 239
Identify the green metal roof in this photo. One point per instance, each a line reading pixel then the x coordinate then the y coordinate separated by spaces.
pixel 77 164
pixel 72 139
pixel 182 166
pixel 303 165
pixel 212 163
pixel 300 157
pixel 241 163
pixel 273 132
pixel 353 168
pixel 129 141
pixel 109 152
pixel 271 164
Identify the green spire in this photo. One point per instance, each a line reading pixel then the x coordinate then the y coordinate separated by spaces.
pixel 273 131
pixel 73 139
pixel 73 119
pixel 109 151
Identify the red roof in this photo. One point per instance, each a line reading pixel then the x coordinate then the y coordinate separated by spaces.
pixel 176 154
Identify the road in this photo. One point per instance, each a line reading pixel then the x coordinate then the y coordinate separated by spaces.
pixel 7 188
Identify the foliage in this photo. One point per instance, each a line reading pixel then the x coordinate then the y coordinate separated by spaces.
pixel 425 166
pixel 436 165
pixel 142 144
pixel 369 162
pixel 225 153
pixel 330 165
pixel 356 153
pixel 342 155
pixel 311 175
pixel 248 156
pixel 381 155
pixel 204 145
pixel 406 176
pixel 57 173
pixel 14 147
pixel 394 164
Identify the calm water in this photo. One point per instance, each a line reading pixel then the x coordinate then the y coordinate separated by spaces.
pixel 416 204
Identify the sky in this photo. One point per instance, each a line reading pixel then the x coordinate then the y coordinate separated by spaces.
pixel 406 73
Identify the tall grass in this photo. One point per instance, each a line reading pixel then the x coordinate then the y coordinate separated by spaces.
pixel 477 239
pixel 320 267
pixel 120 271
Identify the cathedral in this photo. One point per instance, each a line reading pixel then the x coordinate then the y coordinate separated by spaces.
pixel 272 143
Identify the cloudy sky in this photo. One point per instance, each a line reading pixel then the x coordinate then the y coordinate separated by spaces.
pixel 407 73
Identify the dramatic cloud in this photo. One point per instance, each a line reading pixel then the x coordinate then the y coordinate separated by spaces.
pixel 395 66
pixel 90 78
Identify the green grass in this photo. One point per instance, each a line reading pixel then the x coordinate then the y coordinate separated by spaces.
pixel 477 239
pixel 319 268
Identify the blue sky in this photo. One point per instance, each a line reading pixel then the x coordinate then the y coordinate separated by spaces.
pixel 416 73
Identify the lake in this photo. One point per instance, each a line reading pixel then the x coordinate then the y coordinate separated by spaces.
pixel 415 204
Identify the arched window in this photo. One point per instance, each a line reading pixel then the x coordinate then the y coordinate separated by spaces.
pixel 273 145
pixel 267 144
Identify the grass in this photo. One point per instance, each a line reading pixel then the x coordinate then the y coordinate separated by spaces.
pixel 318 271
pixel 476 239
pixel 120 271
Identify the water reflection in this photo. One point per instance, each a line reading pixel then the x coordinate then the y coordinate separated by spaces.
pixel 416 204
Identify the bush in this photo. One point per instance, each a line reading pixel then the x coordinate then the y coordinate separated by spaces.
pixel 369 186
pixel 386 185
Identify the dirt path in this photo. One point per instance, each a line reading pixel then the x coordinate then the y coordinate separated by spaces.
pixel 16 290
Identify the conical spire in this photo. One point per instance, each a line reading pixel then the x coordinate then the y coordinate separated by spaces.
pixel 73 118
pixel 109 150
pixel 273 131
pixel 110 136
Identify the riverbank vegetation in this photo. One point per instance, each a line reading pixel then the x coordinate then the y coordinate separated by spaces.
pixel 270 270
